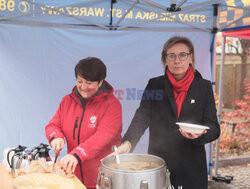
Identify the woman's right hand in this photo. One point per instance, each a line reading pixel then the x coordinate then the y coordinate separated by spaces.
pixel 125 147
pixel 57 144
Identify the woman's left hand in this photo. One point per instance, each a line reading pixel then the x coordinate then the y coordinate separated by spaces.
pixel 191 135
pixel 68 164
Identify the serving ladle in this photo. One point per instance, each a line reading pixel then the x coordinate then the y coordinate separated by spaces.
pixel 117 158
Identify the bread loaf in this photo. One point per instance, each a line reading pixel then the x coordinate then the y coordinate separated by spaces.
pixel 40 166
pixel 41 175
pixel 5 178
pixel 46 181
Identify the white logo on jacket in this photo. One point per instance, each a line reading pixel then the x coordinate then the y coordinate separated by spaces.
pixel 52 134
pixel 92 121
pixel 82 151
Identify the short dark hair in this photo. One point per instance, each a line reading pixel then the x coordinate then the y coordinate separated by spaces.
pixel 174 40
pixel 91 69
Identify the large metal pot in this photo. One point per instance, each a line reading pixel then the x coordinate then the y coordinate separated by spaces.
pixel 152 178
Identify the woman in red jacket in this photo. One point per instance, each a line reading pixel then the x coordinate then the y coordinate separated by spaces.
pixel 90 119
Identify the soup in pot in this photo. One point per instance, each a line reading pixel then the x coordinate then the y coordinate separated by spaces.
pixel 134 165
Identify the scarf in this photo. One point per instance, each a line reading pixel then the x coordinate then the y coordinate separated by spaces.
pixel 181 87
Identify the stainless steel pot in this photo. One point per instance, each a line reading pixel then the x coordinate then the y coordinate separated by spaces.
pixel 112 178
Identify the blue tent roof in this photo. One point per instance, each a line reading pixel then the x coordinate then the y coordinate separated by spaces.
pixel 169 15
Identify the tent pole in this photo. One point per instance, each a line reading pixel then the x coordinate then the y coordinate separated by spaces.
pixel 155 4
pixel 190 7
pixel 111 11
pixel 220 100
pixel 123 16
pixel 213 76
pixel 213 69
pixel 213 85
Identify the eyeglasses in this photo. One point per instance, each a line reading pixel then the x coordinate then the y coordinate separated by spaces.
pixel 182 56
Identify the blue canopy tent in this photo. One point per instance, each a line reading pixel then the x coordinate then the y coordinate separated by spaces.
pixel 42 40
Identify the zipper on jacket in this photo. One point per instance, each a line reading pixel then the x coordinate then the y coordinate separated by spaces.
pixel 75 126
pixel 79 130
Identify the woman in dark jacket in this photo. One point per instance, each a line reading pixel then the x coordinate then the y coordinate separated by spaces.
pixel 186 97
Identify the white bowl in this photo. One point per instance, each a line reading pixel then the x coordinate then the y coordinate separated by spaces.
pixel 192 128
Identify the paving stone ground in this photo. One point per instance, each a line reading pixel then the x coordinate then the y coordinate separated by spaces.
pixel 241 180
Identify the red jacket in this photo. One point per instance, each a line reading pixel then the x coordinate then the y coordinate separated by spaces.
pixel 90 131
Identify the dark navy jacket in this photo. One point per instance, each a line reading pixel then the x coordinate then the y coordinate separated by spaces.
pixel 185 158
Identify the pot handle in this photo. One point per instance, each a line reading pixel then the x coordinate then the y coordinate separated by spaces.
pixel 144 184
pixel 168 183
pixel 8 157
pixel 98 179
pixel 105 181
